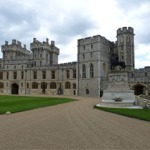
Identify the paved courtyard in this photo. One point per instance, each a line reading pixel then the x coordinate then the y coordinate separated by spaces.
pixel 74 125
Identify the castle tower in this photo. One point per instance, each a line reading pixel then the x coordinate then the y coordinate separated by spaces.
pixel 14 50
pixel 44 53
pixel 93 64
pixel 125 46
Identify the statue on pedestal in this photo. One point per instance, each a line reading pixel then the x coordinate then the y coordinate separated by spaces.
pixel 115 62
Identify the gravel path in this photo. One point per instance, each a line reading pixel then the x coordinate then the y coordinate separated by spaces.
pixel 74 125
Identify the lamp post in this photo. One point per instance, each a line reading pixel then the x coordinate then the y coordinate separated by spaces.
pixel 62 81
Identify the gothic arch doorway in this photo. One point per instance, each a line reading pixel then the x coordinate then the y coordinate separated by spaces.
pixel 14 88
pixel 138 89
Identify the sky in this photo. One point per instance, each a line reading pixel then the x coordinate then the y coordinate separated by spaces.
pixel 65 21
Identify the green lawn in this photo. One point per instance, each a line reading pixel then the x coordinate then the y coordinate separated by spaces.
pixel 22 103
pixel 143 114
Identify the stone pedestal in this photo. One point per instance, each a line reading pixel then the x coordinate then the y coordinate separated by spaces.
pixel 118 93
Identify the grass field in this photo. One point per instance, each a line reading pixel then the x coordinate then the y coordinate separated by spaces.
pixel 143 114
pixel 22 103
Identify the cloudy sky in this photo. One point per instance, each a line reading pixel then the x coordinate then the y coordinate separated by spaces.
pixel 65 21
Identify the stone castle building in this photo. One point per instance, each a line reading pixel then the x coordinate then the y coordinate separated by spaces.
pixel 36 71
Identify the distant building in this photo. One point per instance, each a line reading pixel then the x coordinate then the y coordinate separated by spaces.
pixel 38 72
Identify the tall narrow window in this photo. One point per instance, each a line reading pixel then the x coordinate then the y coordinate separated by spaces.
pixel 7 75
pixel 44 74
pixel 53 74
pixel 83 56
pixel 34 74
pixel 91 71
pixel 22 75
pixel 1 85
pixel 74 73
pixel 1 75
pixel 91 46
pixel 83 71
pixel 67 74
pixel 15 74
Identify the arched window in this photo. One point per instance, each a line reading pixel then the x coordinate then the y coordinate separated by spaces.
pixel 34 85
pixel 91 71
pixel 67 85
pixel 83 71
pixel 74 86
pixel 1 85
pixel 53 85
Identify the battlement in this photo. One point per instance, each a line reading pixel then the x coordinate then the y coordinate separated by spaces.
pixel 93 39
pixel 44 45
pixel 124 30
pixel 15 46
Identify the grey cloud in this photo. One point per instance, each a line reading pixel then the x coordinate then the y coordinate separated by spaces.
pixel 71 26
pixel 129 4
pixel 17 22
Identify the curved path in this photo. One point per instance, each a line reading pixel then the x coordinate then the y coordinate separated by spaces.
pixel 74 125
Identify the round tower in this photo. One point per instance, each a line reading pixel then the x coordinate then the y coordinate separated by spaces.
pixel 125 46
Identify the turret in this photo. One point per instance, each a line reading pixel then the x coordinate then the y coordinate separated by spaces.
pixel 13 50
pixel 44 53
pixel 125 46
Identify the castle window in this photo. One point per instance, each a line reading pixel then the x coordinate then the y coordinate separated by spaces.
pixel 91 46
pixel 35 63
pixel 34 85
pixel 122 57
pixel 22 74
pixel 67 74
pixel 44 74
pixel 83 56
pixel 21 84
pixel 40 55
pixel 74 73
pixel 83 71
pixel 40 63
pixel 34 74
pixel 7 75
pixel 67 85
pixel 84 47
pixel 91 71
pixel 27 85
pixel 1 75
pixel 74 86
pixel 14 67
pixel 91 54
pixel 53 85
pixel 15 75
pixel 53 74
pixel 1 85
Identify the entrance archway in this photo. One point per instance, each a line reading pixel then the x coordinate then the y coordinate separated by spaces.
pixel 14 88
pixel 138 89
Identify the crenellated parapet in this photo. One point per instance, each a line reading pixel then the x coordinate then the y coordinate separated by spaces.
pixel 15 46
pixel 37 45
pixel 124 30
pixel 93 39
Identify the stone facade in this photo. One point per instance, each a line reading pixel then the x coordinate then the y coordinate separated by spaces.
pixel 36 71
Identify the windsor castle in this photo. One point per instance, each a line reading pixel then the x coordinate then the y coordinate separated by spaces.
pixel 37 71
